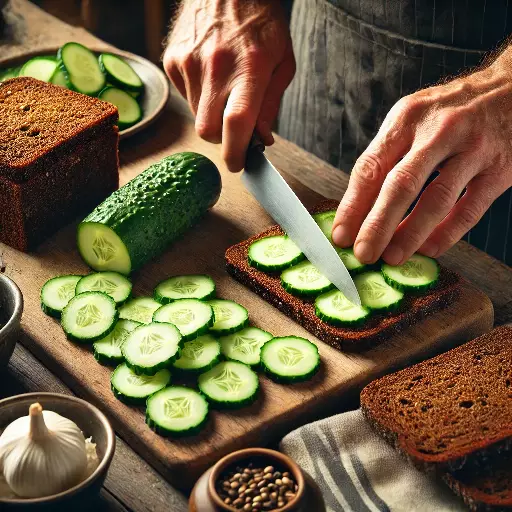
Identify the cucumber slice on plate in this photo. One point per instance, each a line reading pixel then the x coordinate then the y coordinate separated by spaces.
pixel 274 253
pixel 129 109
pixel 185 287
pixel 59 78
pixel 334 308
pixel 140 309
pixel 418 273
pixel 304 279
pixel 176 411
pixel 111 283
pixel 119 72
pixel 151 347
pixel 199 355
pixel 245 345
pixel 229 316
pixel 6 74
pixel 131 388
pixel 108 349
pixel 56 293
pixel 290 359
pixel 81 68
pixel 89 316
pixel 376 294
pixel 191 316
pixel 41 68
pixel 229 384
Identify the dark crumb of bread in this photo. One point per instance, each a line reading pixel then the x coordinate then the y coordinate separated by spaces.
pixel 484 490
pixel 451 410
pixel 378 328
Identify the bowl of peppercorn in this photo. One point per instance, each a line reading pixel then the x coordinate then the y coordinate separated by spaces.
pixel 255 480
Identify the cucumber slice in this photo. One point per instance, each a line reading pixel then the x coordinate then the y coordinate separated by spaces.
pixel 375 293
pixel 229 316
pixel 140 309
pixel 81 68
pixel 56 293
pixel 6 74
pixel 325 221
pixel 176 411
pixel 334 308
pixel 119 72
pixel 191 316
pixel 131 388
pixel 199 355
pixel 102 249
pixel 89 316
pixel 229 384
pixel 41 68
pixel 354 266
pixel 185 287
pixel 108 349
pixel 274 253
pixel 111 283
pixel 245 345
pixel 304 279
pixel 151 347
pixel 129 109
pixel 418 273
pixel 290 359
pixel 59 78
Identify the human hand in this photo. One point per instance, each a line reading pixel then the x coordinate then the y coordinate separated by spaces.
pixel 463 129
pixel 232 61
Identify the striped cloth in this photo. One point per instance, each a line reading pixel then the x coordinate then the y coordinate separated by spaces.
pixel 357 471
pixel 356 58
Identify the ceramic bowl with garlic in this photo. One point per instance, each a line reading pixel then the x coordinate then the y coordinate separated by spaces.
pixel 55 451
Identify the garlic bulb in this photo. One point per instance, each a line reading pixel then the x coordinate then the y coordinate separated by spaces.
pixel 42 454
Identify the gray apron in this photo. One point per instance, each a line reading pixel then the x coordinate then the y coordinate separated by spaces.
pixel 356 58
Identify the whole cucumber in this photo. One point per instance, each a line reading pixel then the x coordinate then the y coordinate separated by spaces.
pixel 142 218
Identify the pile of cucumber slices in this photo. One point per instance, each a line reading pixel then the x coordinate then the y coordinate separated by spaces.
pixel 183 331
pixel 381 287
pixel 75 67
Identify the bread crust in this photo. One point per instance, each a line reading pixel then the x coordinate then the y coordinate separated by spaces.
pixel 377 329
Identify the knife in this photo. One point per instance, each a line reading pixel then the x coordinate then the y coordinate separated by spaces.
pixel 265 183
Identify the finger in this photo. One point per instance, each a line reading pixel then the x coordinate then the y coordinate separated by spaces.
pixel 242 110
pixel 434 205
pixel 480 194
pixel 399 189
pixel 174 75
pixel 211 105
pixel 280 80
pixel 389 145
pixel 191 73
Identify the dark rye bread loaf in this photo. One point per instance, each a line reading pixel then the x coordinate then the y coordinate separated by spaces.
pixel 453 409
pixel 58 158
pixel 487 490
pixel 378 328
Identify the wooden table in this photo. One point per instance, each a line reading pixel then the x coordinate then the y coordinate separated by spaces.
pixel 32 28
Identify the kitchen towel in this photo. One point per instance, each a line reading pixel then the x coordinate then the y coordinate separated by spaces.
pixel 358 471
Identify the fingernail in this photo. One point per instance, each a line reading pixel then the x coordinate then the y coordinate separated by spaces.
pixel 363 251
pixel 393 255
pixel 341 236
pixel 429 249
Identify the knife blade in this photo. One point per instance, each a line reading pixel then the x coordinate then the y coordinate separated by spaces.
pixel 269 188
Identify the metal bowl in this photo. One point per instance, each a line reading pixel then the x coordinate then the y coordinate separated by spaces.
pixel 11 308
pixel 91 421
pixel 156 84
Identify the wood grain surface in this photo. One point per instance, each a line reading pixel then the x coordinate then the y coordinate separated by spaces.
pixel 235 217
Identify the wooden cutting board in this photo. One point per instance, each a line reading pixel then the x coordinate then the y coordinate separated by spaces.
pixel 234 218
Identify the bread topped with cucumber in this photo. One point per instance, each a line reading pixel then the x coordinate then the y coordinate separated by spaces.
pixel 392 297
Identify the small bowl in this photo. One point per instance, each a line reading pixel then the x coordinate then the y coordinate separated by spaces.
pixel 11 308
pixel 91 421
pixel 204 497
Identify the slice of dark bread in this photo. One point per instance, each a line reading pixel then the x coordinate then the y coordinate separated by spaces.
pixel 453 409
pixel 484 491
pixel 378 328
